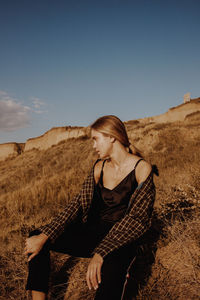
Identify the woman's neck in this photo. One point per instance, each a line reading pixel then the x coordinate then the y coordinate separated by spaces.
pixel 119 157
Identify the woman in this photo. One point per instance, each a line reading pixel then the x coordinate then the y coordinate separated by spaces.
pixel 104 221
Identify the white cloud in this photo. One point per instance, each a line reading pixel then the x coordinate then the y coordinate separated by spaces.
pixel 38 104
pixel 13 114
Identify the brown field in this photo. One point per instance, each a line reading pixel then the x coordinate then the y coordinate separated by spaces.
pixel 35 185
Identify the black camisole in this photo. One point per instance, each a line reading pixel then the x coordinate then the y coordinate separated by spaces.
pixel 110 205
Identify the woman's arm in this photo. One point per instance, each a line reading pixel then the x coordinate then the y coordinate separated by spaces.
pixel 57 225
pixel 52 230
pixel 75 208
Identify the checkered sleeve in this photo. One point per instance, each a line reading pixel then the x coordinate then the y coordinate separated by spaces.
pixel 71 211
pixel 57 225
pixel 135 222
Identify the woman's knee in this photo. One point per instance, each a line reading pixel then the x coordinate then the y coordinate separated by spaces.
pixel 116 265
pixel 113 272
pixel 46 246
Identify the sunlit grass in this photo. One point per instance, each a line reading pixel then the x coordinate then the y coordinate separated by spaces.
pixel 37 184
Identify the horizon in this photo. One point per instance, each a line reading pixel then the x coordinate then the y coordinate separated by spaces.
pixel 69 62
pixel 78 127
pixel 74 126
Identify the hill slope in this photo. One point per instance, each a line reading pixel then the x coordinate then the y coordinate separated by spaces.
pixel 37 184
pixel 55 135
pixel 177 113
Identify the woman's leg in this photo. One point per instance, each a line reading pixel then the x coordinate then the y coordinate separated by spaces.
pixel 77 240
pixel 39 269
pixel 113 275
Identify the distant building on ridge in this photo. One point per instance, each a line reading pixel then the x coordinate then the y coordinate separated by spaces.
pixel 186 98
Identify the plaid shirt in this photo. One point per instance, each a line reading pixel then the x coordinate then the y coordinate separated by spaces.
pixel 135 222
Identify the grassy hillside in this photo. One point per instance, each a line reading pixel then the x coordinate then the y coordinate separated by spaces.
pixel 37 184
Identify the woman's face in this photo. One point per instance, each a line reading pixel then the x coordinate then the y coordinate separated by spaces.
pixel 101 143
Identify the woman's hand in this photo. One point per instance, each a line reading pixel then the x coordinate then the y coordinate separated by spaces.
pixel 93 275
pixel 34 244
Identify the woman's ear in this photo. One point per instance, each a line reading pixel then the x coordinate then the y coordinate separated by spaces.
pixel 112 139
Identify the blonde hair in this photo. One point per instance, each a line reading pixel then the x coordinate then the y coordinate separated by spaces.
pixel 113 126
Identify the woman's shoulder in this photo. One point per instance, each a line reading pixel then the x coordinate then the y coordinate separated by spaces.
pixel 143 164
pixel 97 170
pixel 143 170
pixel 139 162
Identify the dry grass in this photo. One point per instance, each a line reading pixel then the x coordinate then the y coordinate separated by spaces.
pixel 176 271
pixel 37 184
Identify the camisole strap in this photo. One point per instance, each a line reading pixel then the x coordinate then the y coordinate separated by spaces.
pixel 101 175
pixel 138 162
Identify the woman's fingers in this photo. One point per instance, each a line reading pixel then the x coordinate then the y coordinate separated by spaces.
pixel 99 273
pixel 32 256
pixel 92 277
pixel 28 247
pixel 88 279
pixel 28 251
pixel 31 247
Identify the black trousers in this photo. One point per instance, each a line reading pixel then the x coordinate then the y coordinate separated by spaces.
pixel 80 240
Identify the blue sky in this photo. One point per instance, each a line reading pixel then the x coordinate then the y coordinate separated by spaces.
pixel 68 62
